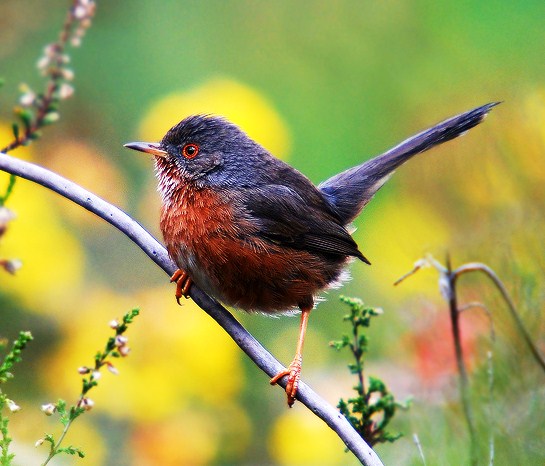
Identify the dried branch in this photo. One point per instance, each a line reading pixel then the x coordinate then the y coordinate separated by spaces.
pixel 488 313
pixel 257 353
pixel 478 267
pixel 447 284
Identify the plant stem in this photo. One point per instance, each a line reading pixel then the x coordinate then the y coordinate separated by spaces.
pixel 52 86
pixel 462 371
pixel 9 190
pixel 478 267
pixel 54 448
pixel 358 355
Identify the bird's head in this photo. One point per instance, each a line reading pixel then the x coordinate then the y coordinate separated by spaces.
pixel 205 149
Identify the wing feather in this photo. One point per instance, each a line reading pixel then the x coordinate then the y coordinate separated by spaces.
pixel 284 217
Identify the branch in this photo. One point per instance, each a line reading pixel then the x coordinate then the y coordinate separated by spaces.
pixel 478 267
pixel 448 284
pixel 257 353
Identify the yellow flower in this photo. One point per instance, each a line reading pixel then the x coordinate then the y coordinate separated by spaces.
pixel 237 102
pixel 402 232
pixel 179 356
pixel 29 426
pixel 52 258
pixel 85 165
pixel 299 437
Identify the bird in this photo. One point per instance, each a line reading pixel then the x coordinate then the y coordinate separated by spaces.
pixel 256 234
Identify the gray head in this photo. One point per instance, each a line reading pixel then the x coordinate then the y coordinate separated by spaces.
pixel 208 150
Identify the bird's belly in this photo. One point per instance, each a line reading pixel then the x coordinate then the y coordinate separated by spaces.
pixel 227 260
pixel 270 279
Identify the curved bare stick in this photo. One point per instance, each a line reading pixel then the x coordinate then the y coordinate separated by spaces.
pixel 257 353
pixel 478 267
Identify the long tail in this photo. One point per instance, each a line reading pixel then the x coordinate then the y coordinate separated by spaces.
pixel 352 189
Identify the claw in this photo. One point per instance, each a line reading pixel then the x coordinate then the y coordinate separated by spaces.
pixel 183 284
pixel 294 374
pixel 294 369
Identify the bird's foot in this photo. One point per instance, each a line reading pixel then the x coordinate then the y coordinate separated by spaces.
pixel 183 284
pixel 294 374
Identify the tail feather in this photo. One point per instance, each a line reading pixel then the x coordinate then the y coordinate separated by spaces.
pixel 349 191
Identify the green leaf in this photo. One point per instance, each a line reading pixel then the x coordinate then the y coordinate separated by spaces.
pixel 70 450
pixel 49 438
pixel 26 115
pixel 61 407
pixel 370 411
pixel 51 117
pixel 376 385
pixel 129 317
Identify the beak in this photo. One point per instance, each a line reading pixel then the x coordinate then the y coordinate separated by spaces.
pixel 153 148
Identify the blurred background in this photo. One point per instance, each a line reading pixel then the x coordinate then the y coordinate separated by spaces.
pixel 324 86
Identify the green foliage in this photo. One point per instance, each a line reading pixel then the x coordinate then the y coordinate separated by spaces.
pixel 374 407
pixel 116 347
pixel 13 357
pixel 6 457
pixel 9 190
pixel 37 110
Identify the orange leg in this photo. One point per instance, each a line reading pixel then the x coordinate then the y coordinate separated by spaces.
pixel 183 284
pixel 294 369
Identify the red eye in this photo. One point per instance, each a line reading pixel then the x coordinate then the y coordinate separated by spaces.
pixel 190 151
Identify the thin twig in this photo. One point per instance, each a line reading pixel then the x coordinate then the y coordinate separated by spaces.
pixel 479 267
pixel 488 312
pixel 57 445
pixel 491 420
pixel 450 282
pixel 257 353
pixel 419 264
pixel 358 356
pixel 39 110
pixel 416 441
pixel 55 72
pixel 447 284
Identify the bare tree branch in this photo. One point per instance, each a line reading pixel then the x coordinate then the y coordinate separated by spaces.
pixel 447 283
pixel 478 267
pixel 257 353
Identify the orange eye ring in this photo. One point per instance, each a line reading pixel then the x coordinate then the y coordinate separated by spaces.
pixel 190 151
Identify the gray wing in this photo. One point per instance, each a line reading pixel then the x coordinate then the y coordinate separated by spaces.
pixel 282 216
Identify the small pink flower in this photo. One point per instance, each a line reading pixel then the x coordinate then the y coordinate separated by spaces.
pixel 65 91
pixel 12 406
pixel 68 74
pixel 12 265
pixel 27 99
pixel 121 340
pixel 112 368
pixel 43 63
pixel 49 408
pixel 86 403
pixel 75 41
